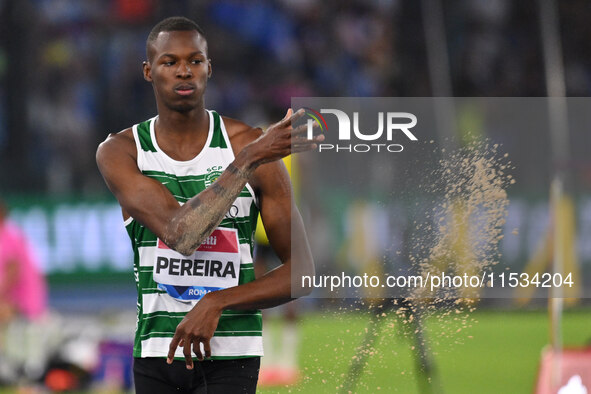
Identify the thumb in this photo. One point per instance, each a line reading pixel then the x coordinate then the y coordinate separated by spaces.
pixel 288 114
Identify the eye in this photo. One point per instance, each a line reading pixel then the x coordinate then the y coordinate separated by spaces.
pixel 197 61
pixel 169 63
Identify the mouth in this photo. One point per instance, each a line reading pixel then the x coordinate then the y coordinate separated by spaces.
pixel 185 89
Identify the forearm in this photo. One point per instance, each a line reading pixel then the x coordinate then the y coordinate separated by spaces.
pixel 197 218
pixel 277 287
pixel 272 289
pixel 280 285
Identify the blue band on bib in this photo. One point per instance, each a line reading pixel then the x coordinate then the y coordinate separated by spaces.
pixel 187 292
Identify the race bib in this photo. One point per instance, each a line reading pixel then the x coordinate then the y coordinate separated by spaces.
pixel 215 265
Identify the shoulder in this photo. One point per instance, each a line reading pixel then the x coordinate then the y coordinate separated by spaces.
pixel 116 147
pixel 240 134
pixel 117 144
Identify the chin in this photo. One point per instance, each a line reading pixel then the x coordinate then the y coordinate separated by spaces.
pixel 183 108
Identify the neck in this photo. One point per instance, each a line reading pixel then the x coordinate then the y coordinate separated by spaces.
pixel 182 123
pixel 182 135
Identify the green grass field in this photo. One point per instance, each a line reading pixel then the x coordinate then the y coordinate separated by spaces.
pixel 488 351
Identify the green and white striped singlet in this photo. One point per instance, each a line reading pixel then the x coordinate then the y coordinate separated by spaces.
pixel 170 284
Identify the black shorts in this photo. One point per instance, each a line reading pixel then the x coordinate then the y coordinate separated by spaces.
pixel 154 375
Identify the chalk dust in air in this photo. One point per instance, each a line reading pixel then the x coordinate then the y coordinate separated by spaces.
pixel 465 225
pixel 457 231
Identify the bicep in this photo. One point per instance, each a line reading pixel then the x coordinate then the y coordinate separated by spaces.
pixel 145 199
pixel 278 211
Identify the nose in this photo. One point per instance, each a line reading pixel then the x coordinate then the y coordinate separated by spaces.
pixel 184 70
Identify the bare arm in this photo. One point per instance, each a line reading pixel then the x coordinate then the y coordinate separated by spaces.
pixel 183 228
pixel 283 225
pixel 285 230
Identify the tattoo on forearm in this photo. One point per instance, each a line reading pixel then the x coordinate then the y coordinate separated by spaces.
pixel 207 210
pixel 235 170
pixel 232 168
pixel 195 202
pixel 218 189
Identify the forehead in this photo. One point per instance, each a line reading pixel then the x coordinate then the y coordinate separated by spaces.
pixel 178 43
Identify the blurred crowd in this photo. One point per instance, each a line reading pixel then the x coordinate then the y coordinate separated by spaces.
pixel 71 70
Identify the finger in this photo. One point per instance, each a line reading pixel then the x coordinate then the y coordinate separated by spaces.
pixel 307 144
pixel 207 348
pixel 172 348
pixel 304 137
pixel 197 349
pixel 286 118
pixel 303 148
pixel 187 353
pixel 298 114
pixel 303 129
pixel 303 143
pixel 292 119
pixel 304 140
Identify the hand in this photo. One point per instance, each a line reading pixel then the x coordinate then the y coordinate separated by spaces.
pixel 197 327
pixel 281 139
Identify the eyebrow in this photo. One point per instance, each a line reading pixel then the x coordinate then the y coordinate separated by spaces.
pixel 175 56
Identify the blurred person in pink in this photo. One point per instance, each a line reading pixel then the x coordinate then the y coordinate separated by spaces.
pixel 23 292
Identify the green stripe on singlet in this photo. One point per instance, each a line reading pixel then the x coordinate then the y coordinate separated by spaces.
pixel 146 281
pixel 246 276
pixel 140 235
pixel 244 323
pixel 217 139
pixel 228 313
pixel 243 333
pixel 143 132
pixel 162 176
pixel 183 186
pixel 167 333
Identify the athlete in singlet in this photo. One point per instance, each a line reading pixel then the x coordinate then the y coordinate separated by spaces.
pixel 191 184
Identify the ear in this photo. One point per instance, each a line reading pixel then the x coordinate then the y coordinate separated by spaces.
pixel 147 68
pixel 209 70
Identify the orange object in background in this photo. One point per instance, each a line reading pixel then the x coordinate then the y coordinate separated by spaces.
pixel 59 380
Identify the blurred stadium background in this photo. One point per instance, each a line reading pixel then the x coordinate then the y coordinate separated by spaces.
pixel 70 73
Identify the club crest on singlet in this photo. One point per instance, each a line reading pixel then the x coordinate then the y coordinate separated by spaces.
pixel 215 265
pixel 213 173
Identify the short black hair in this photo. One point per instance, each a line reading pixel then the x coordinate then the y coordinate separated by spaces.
pixel 173 23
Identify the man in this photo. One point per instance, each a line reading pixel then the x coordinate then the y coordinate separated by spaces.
pixel 190 184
